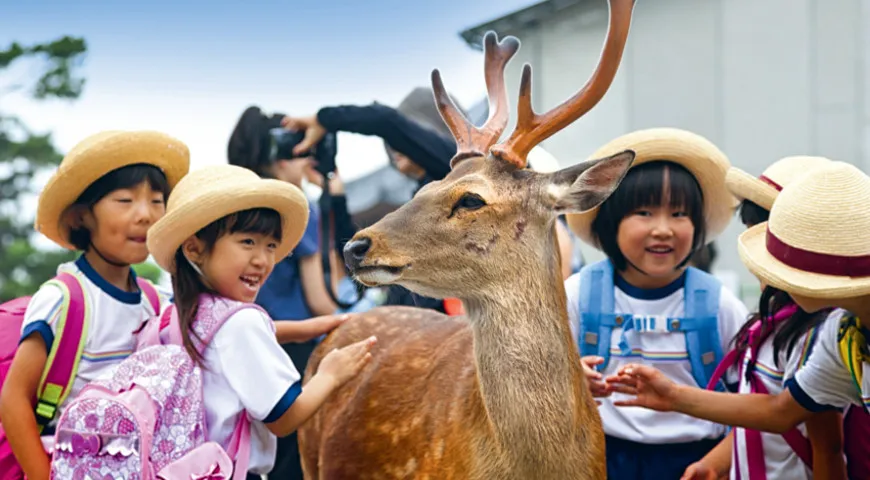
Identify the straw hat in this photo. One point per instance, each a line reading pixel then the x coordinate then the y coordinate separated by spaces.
pixel 763 190
pixel 96 156
pixel 214 192
pixel 697 154
pixel 813 245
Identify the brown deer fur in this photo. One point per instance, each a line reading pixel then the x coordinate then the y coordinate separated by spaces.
pixel 499 394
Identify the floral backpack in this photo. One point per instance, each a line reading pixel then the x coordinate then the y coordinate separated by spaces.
pixel 147 421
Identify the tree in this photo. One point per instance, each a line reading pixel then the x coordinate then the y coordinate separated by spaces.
pixel 23 154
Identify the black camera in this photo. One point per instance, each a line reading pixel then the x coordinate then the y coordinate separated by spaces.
pixel 283 142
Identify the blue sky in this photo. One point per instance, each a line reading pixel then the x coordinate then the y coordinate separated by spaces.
pixel 189 68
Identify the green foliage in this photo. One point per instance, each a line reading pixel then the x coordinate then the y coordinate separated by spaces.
pixel 23 154
pixel 149 271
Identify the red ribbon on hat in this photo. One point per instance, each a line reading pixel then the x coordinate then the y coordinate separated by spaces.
pixel 814 262
pixel 770 182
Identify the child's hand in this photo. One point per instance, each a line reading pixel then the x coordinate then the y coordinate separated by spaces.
pixel 651 388
pixel 699 471
pixel 325 324
pixel 593 377
pixel 340 365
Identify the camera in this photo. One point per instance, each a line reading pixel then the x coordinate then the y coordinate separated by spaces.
pixel 283 142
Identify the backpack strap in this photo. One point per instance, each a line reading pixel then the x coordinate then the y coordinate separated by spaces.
pixel 701 325
pixel 239 448
pixel 66 351
pixel 597 319
pixel 150 293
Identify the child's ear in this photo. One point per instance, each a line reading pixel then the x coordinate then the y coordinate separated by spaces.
pixel 78 216
pixel 194 249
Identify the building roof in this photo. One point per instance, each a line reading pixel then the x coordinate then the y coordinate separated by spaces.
pixel 517 20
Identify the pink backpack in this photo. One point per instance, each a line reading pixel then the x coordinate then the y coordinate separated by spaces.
pixel 754 449
pixel 63 357
pixel 147 421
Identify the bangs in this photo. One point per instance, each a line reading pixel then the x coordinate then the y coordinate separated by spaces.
pixel 263 221
pixel 655 184
pixel 125 177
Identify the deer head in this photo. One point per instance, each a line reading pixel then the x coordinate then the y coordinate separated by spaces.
pixel 491 219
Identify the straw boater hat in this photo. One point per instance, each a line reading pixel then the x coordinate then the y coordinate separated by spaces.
pixel 214 192
pixel 814 243
pixel 96 156
pixel 763 190
pixel 695 153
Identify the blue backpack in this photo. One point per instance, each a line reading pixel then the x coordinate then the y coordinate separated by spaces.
pixel 699 324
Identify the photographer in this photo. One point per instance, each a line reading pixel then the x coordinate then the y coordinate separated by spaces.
pixel 296 288
pixel 418 144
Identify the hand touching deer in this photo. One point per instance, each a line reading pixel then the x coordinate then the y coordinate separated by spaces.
pixel 501 393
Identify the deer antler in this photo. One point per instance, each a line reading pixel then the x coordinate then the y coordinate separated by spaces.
pixel 472 141
pixel 533 128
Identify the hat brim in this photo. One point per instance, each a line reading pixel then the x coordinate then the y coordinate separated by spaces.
pixel 747 187
pixel 93 158
pixel 753 252
pixel 696 154
pixel 185 220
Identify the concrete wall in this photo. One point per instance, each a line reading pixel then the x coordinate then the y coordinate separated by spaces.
pixel 762 80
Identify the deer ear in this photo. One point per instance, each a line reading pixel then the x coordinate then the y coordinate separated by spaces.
pixel 587 185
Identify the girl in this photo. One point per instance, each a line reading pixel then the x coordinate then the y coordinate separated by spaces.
pixel 643 302
pixel 803 251
pixel 219 253
pixel 104 197
pixel 772 344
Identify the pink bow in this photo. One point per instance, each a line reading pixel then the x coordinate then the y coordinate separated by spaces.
pixel 213 473
pixel 83 444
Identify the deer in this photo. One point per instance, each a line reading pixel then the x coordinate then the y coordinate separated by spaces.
pixel 499 393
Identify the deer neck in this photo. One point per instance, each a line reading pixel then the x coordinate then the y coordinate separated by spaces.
pixel 528 365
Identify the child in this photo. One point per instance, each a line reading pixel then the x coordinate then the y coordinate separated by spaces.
pixel 224 231
pixel 634 305
pixel 804 251
pixel 771 346
pixel 102 200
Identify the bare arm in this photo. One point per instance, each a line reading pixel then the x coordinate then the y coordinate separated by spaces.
pixel 768 413
pixel 717 461
pixel 337 367
pixel 16 408
pixel 825 431
pixel 313 287
pixel 290 331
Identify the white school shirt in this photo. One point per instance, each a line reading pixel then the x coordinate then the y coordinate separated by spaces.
pixel 665 351
pixel 114 315
pixel 779 459
pixel 825 383
pixel 246 370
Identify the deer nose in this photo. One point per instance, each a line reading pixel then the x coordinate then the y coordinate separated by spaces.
pixel 355 251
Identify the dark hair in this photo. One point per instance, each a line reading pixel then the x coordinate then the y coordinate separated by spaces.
pixel 752 214
pixel 650 184
pixel 187 284
pixel 250 142
pixel 772 300
pixel 705 257
pixel 124 177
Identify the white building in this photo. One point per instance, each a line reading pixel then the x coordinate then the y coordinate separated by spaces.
pixel 761 79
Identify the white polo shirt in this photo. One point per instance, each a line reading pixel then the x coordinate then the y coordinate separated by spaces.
pixel 247 372
pixel 665 351
pixel 114 315
pixel 778 456
pixel 825 383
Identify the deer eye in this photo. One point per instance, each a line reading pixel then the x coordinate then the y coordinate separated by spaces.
pixel 468 201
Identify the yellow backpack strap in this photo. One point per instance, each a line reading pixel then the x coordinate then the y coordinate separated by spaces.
pixel 852 343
